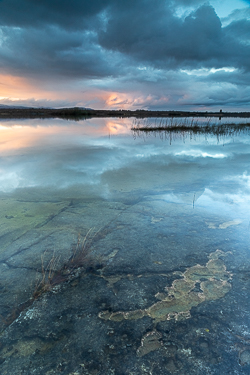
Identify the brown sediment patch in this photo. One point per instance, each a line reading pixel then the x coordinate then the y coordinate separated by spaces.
pixel 198 284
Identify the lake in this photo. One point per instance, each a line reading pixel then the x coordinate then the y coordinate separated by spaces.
pixel 123 252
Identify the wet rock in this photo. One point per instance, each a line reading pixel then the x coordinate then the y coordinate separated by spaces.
pixel 245 358
pixel 149 342
pixel 213 279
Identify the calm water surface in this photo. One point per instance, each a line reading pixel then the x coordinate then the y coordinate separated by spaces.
pixel 164 221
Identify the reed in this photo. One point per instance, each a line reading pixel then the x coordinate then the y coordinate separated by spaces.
pixel 82 259
pixel 189 126
pixel 52 274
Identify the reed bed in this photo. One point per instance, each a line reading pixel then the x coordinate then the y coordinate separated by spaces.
pixel 190 126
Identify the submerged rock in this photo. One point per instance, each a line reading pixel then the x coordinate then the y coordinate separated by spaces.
pixel 149 342
pixel 198 284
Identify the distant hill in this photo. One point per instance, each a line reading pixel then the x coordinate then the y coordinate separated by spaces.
pixel 70 108
pixel 4 106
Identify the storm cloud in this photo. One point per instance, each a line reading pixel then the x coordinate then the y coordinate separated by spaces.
pixel 129 47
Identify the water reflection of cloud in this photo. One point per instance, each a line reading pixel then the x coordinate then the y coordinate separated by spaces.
pixel 235 205
pixel 85 154
pixel 9 180
pixel 199 153
pixel 243 179
pixel 24 133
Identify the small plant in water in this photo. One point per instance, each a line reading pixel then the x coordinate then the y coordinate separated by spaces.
pixel 48 274
pixel 81 259
pixel 81 255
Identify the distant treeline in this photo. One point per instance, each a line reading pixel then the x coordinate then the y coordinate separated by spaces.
pixel 81 113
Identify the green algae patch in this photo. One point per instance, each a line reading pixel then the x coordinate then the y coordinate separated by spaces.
pixel 18 217
pixel 198 284
pixel 27 347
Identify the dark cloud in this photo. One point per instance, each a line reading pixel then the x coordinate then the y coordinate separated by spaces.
pixel 129 41
pixel 67 14
pixel 54 52
pixel 188 2
pixel 164 40
pixel 237 14
pixel 240 30
pixel 144 31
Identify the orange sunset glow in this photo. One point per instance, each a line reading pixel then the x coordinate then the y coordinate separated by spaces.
pixel 18 88
pixel 36 133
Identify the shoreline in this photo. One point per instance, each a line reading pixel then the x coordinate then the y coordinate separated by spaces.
pixel 79 113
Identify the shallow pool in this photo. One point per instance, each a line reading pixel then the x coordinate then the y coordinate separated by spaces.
pixel 123 253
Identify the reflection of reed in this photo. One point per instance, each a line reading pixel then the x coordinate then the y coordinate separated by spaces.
pixel 173 128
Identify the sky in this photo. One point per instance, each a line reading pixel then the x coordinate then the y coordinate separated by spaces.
pixel 126 54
